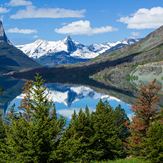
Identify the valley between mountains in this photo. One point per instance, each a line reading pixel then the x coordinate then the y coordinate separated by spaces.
pixel 119 72
pixel 115 68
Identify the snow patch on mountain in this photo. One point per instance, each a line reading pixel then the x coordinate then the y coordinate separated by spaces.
pixel 42 48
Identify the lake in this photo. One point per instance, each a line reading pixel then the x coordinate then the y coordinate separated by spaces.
pixel 66 97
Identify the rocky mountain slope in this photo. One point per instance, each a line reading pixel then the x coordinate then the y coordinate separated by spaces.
pixel 11 58
pixel 67 51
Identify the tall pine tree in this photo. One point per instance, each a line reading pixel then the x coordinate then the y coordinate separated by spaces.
pixel 107 143
pixel 153 143
pixel 122 121
pixel 33 136
pixel 75 145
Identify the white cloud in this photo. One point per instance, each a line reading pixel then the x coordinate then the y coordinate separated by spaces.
pixel 144 18
pixel 3 10
pixel 33 12
pixel 22 31
pixel 83 27
pixel 15 3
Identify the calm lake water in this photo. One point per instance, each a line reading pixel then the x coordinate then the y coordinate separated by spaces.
pixel 66 98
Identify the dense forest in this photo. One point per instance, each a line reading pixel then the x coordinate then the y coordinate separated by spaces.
pixel 38 134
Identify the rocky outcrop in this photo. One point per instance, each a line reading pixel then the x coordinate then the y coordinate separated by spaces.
pixel 3 37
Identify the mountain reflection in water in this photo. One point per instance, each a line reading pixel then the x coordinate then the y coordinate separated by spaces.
pixel 68 98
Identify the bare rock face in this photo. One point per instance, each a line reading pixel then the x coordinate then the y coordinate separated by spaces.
pixel 3 37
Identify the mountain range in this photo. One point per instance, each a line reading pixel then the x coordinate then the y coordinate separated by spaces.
pixel 118 67
pixel 119 72
pixel 66 51
pixel 11 58
pixel 50 53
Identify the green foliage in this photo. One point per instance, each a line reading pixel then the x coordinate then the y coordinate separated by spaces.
pixel 2 137
pixel 76 142
pixel 33 136
pixel 122 122
pixel 107 142
pixel 38 135
pixel 127 160
pixel 153 144
pixel 2 129
pixel 95 136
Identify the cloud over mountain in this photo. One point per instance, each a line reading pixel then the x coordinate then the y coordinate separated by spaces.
pixel 3 10
pixel 144 18
pixel 34 12
pixel 15 3
pixel 21 31
pixel 83 27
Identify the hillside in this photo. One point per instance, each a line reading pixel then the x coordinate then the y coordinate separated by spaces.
pixel 149 50
pixel 11 58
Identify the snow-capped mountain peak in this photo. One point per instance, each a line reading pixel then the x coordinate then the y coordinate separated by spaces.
pixel 68 50
pixel 67 39
pixel 130 41
pixel 71 44
pixel 41 48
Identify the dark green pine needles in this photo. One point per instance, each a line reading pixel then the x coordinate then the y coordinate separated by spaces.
pixel 95 136
pixel 34 135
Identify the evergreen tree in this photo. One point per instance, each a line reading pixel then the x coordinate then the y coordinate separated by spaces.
pixel 2 130
pixel 146 111
pixel 153 143
pixel 95 136
pixel 33 136
pixel 122 121
pixel 75 145
pixel 106 141
pixel 2 139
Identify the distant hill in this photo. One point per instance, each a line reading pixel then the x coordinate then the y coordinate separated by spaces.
pixel 12 59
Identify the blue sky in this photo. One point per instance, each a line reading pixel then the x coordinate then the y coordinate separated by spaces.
pixel 88 21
